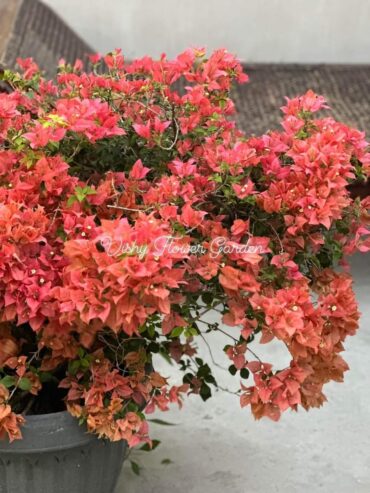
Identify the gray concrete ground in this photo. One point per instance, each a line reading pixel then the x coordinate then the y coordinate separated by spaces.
pixel 217 447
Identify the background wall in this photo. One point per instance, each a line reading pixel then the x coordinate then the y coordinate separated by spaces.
pixel 331 31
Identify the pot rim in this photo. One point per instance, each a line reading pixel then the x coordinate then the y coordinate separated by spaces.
pixel 44 433
pixel 39 417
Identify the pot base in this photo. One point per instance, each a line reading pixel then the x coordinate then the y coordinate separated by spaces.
pixel 58 456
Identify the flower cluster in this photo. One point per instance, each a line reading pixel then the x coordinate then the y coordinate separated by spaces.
pixel 145 151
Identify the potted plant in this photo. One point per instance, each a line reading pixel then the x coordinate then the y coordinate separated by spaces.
pixel 130 209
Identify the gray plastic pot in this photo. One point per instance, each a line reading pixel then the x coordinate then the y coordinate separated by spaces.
pixel 57 455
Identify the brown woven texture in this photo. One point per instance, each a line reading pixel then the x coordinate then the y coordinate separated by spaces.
pixel 347 89
pixel 39 33
pixel 33 29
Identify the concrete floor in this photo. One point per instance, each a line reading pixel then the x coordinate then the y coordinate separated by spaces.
pixel 218 448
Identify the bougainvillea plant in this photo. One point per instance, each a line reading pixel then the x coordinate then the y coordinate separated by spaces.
pixel 131 205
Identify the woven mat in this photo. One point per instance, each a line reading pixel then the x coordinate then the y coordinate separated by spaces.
pixel 34 30
pixel 347 89
pixel 29 28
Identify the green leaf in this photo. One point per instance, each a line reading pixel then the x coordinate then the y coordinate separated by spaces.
pixel 71 200
pixel 135 468
pixel 203 371
pixel 25 384
pixel 153 347
pixel 232 370
pixel 251 199
pixel 73 367
pixel 147 448
pixel 177 331
pixel 216 178
pixel 61 234
pixel 80 194
pixel 8 381
pixel 188 378
pixel 85 363
pixel 81 352
pixel 208 298
pixel 244 373
pixel 89 191
pixel 46 376
pixel 191 332
pixel 161 422
pixel 205 392
pixel 166 461
pixel 210 379
pixel 143 328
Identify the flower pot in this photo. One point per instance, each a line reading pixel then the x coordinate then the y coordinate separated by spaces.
pixel 57 455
